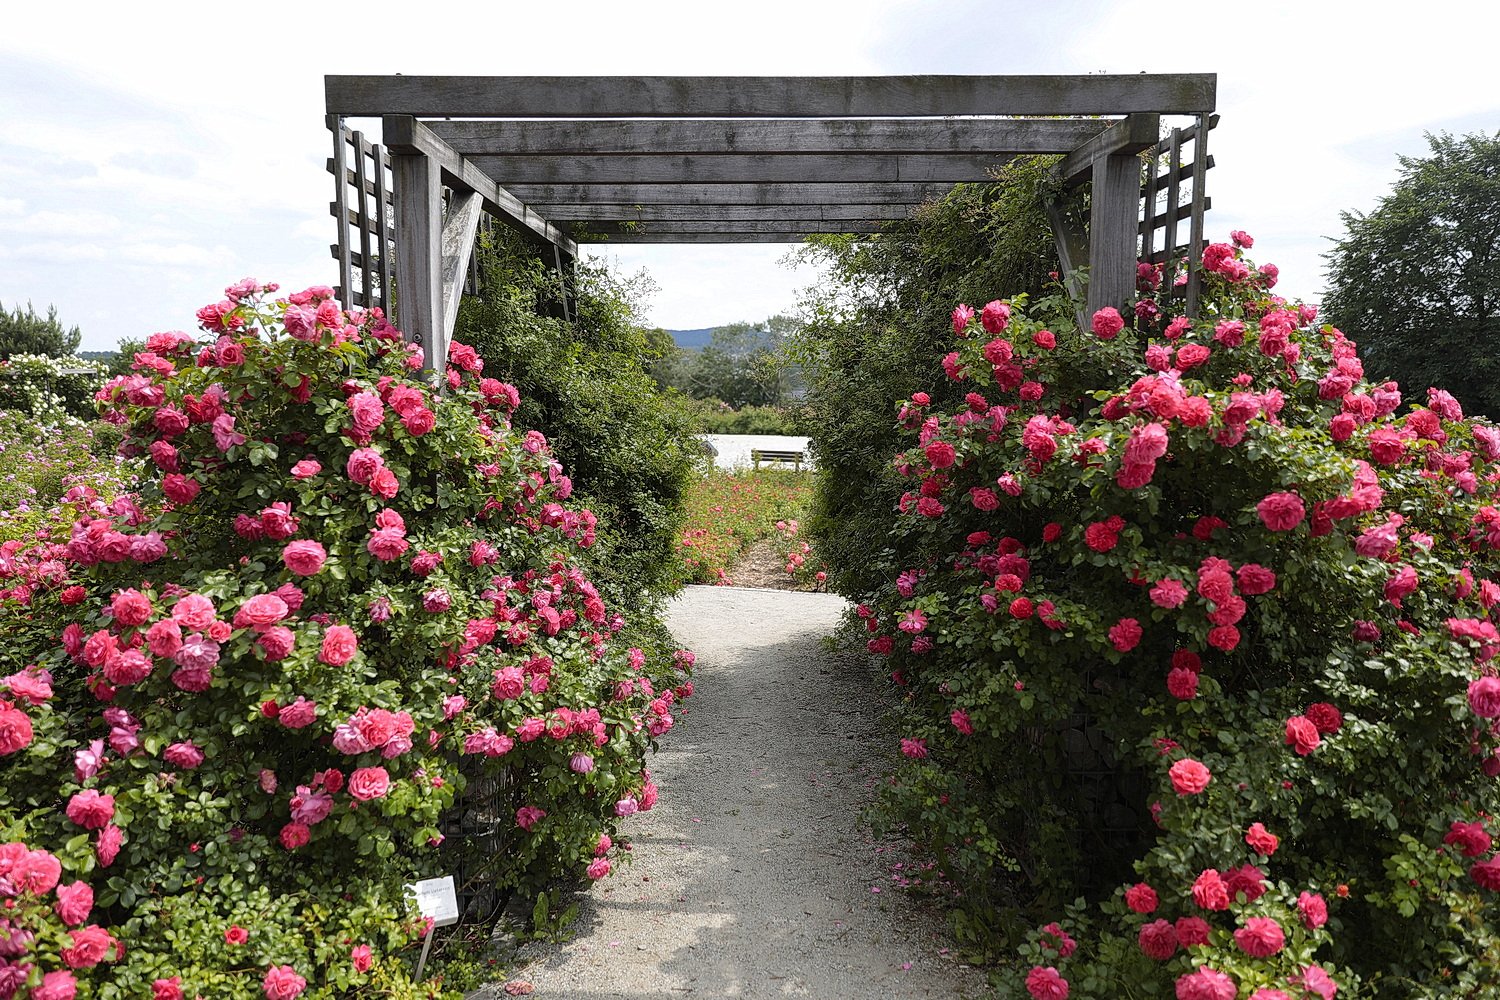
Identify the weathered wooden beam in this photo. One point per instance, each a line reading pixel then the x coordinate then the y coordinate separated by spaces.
pixel 1137 133
pixel 692 238
pixel 1071 255
pixel 1114 207
pixel 459 228
pixel 766 96
pixel 341 205
pixel 404 134
pixel 792 227
pixel 1014 136
pixel 1199 206
pixel 752 168
pixel 568 214
pixel 419 281
pixel 820 193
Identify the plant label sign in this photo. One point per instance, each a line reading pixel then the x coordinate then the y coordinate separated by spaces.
pixel 436 898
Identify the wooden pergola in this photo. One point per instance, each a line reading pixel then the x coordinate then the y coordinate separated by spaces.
pixel 627 160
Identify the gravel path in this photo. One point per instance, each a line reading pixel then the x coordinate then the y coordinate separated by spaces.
pixel 753 877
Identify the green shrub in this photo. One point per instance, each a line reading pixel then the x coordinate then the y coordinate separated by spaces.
pixel 875 323
pixel 627 444
pixel 341 599
pixel 49 389
pixel 1196 608
pixel 714 416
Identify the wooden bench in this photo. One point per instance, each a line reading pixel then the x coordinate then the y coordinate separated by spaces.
pixel 759 455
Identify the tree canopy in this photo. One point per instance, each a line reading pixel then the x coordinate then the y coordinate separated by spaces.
pixel 1417 280
pixel 25 331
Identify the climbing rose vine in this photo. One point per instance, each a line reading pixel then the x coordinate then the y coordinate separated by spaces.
pixel 1213 560
pixel 340 597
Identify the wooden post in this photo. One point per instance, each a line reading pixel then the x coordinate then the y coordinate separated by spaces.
pixel 1114 224
pixel 1195 241
pixel 341 209
pixel 1174 192
pixel 418 191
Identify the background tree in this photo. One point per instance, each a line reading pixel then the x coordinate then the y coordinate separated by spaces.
pixel 1417 281
pixel 875 323
pixel 28 332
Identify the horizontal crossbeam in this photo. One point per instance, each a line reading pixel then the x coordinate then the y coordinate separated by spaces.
pixel 1138 132
pixel 821 193
pixel 751 168
pixel 766 96
pixel 692 238
pixel 564 214
pixel 793 228
pixel 1012 136
pixel 404 134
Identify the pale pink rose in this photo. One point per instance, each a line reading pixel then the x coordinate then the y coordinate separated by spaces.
pixel 183 755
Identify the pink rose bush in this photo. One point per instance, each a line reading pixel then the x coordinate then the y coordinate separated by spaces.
pixel 1220 633
pixel 271 685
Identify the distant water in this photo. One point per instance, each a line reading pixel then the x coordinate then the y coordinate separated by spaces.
pixel 734 449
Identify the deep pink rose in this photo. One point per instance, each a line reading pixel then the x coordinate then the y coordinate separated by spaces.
pixel 1125 634
pixel 282 983
pixel 387 544
pixel 294 835
pixel 91 945
pixel 91 810
pixel 1313 909
pixel 1261 840
pixel 1261 937
pixel 183 755
pixel 1281 511
pixel 74 902
pixel 1210 891
pixel 339 645
pixel 15 730
pixel 384 483
pixel 1141 898
pixel 363 464
pixel 1302 735
pixel 58 985
pixel 1189 777
pixel 299 714
pixel 367 411
pixel 1484 697
pixel 260 612
pixel 1158 940
pixel 194 612
pixel 360 957
pixel 1206 984
pixel 304 557
pixel 130 608
pixel 1108 323
pixel 1045 983
pixel 369 783
pixel 167 989
pixel 107 847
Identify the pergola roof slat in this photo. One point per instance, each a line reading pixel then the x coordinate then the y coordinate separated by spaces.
pixel 596 137
pixel 766 96
pixel 752 168
pixel 815 193
pixel 565 214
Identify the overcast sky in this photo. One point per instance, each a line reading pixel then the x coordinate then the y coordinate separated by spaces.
pixel 152 153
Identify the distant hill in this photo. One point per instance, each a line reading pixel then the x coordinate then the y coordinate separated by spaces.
pixel 692 339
